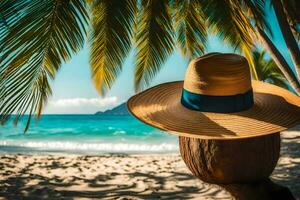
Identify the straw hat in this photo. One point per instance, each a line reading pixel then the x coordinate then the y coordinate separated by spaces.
pixel 217 100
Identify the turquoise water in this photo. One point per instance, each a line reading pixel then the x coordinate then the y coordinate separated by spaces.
pixel 87 134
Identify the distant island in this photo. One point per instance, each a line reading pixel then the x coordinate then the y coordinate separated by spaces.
pixel 119 110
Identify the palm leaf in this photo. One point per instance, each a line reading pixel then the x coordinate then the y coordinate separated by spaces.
pixel 190 27
pixel 154 40
pixel 247 52
pixel 267 69
pixel 258 61
pixel 111 39
pixel 37 43
pixel 227 19
pixel 255 10
pixel 292 8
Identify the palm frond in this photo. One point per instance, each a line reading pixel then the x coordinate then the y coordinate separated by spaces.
pixel 247 52
pixel 10 11
pixel 227 19
pixel 255 10
pixel 154 40
pixel 37 43
pixel 111 39
pixel 292 8
pixel 190 27
pixel 267 69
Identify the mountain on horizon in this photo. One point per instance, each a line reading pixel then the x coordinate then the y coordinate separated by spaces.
pixel 119 110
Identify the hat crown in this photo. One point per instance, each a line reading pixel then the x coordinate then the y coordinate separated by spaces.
pixel 218 74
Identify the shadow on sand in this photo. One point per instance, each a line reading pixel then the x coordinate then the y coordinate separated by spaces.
pixel 287 171
pixel 16 185
pixel 27 184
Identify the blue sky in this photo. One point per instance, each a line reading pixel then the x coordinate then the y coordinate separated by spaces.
pixel 74 93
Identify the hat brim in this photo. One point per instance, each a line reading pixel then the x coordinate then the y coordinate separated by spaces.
pixel 275 109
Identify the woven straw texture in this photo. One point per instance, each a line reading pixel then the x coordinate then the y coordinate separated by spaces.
pixel 275 109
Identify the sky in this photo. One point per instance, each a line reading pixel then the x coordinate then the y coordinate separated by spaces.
pixel 74 93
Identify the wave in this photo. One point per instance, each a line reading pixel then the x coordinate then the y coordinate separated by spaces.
pixel 88 147
pixel 119 133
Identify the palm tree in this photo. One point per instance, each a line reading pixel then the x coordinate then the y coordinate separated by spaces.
pixel 267 70
pixel 279 60
pixel 38 37
pixel 255 12
pixel 287 33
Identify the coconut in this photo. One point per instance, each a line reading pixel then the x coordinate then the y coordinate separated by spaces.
pixel 241 166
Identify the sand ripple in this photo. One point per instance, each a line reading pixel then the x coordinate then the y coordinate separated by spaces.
pixel 123 176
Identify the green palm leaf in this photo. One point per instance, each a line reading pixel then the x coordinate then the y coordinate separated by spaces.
pixel 154 40
pixel 227 19
pixel 255 11
pixel 36 44
pixel 111 39
pixel 267 70
pixel 8 8
pixel 190 27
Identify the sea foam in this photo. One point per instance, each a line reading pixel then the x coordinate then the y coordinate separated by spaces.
pixel 91 147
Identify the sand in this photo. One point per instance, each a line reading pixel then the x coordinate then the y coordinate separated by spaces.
pixel 162 176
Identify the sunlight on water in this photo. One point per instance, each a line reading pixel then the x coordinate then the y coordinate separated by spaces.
pixel 86 133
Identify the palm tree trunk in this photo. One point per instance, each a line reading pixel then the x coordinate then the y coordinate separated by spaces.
pixel 287 34
pixel 279 60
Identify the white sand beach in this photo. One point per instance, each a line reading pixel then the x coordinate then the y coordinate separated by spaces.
pixel 163 176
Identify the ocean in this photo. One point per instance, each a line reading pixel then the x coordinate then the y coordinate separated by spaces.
pixel 85 134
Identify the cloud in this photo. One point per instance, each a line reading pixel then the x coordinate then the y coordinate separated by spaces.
pixel 80 105
pixel 85 102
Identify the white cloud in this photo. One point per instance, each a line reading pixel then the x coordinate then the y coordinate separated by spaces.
pixel 80 105
pixel 85 102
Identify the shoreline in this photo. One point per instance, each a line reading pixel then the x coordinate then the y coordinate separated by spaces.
pixel 60 153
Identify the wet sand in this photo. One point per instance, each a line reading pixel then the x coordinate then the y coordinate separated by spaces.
pixel 124 176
